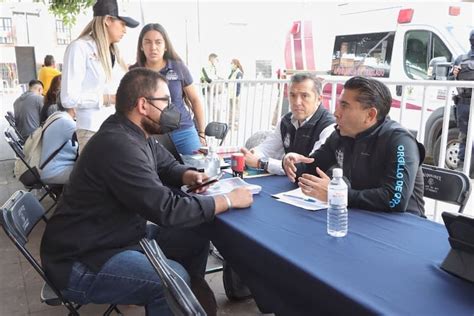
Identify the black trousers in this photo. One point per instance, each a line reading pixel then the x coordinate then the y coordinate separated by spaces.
pixel 188 246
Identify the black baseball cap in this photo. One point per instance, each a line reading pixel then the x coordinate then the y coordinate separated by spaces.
pixel 110 7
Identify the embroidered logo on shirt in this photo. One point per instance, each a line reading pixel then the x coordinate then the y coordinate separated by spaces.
pixel 171 75
pixel 339 157
pixel 286 142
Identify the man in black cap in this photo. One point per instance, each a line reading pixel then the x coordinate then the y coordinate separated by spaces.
pixel 463 69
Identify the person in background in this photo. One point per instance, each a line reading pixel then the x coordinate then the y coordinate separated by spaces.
pixel 48 72
pixel 303 130
pixel 381 160
pixel 92 64
pixel 90 245
pixel 209 72
pixel 464 62
pixel 27 108
pixel 233 92
pixel 59 148
pixel 51 99
pixel 155 51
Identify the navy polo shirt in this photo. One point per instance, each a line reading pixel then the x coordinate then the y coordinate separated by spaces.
pixel 178 77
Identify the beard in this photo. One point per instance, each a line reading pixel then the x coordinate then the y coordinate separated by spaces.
pixel 150 126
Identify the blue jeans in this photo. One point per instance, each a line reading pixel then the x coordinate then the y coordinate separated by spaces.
pixel 186 140
pixel 126 278
pixel 462 120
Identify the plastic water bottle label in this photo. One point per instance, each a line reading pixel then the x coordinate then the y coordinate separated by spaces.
pixel 338 197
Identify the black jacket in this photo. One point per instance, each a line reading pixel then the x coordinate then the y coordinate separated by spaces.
pixel 302 140
pixel 116 185
pixel 382 166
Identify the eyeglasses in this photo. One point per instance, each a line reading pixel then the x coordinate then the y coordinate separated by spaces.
pixel 167 99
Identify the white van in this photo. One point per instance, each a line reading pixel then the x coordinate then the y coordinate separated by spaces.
pixel 388 40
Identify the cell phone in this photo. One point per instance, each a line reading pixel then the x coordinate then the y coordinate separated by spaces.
pixel 209 181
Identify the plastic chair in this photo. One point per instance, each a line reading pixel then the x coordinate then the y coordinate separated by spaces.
pixel 446 185
pixel 179 296
pixel 256 139
pixel 20 214
pixel 218 130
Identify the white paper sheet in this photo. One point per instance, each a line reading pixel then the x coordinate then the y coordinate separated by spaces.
pixel 297 198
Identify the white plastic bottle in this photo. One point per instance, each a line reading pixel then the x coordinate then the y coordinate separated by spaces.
pixel 213 162
pixel 337 201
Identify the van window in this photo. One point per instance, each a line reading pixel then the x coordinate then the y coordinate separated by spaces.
pixel 420 48
pixel 363 54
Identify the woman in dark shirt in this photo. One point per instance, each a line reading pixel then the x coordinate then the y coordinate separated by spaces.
pixel 50 99
pixel 155 51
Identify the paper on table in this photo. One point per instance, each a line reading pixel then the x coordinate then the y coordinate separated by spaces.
pixel 225 186
pixel 297 198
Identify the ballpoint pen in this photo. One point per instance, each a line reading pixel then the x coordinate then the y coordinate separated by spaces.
pixel 306 199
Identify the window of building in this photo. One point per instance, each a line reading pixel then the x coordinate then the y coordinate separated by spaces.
pixel 63 33
pixel 6 35
pixel 263 69
pixel 8 74
pixel 363 54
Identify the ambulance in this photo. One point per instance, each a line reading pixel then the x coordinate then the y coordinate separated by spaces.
pixel 388 40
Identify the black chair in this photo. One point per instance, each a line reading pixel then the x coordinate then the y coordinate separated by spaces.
pixel 20 214
pixel 11 120
pixel 179 296
pixel 446 185
pixel 166 141
pixel 33 180
pixel 218 130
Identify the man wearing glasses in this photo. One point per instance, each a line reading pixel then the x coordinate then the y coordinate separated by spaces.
pixel 90 245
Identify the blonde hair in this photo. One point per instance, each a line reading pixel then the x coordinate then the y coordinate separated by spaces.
pixel 98 31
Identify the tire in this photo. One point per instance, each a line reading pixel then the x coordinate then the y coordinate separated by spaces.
pixel 452 149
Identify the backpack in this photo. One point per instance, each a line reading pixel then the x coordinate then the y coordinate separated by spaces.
pixel 32 149
pixel 466 72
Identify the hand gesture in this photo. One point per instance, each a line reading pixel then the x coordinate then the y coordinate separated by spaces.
pixel 251 159
pixel 315 186
pixel 240 197
pixel 289 162
pixel 456 70
pixel 192 177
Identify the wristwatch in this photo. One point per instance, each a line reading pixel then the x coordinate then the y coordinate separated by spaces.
pixel 263 163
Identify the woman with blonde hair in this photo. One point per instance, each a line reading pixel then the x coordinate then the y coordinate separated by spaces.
pixel 155 51
pixel 93 67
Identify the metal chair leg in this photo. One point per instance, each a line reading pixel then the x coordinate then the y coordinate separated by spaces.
pixel 112 308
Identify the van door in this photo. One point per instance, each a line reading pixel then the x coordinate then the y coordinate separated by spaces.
pixel 420 46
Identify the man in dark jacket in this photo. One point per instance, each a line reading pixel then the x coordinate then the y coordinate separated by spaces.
pixel 303 130
pixel 90 246
pixel 380 159
pixel 463 69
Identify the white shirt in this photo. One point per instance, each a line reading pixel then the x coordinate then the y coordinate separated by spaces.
pixel 272 146
pixel 84 83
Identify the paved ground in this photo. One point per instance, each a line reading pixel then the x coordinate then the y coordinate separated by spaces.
pixel 20 285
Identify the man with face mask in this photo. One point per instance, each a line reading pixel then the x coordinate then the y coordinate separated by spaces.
pixel 463 69
pixel 90 246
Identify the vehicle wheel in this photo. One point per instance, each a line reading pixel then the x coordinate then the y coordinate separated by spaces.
pixel 452 149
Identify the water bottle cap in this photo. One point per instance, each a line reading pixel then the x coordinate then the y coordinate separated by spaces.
pixel 337 172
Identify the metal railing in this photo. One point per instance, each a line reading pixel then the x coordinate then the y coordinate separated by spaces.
pixel 259 106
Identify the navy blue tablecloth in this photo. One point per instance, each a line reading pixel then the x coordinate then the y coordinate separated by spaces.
pixel 387 264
